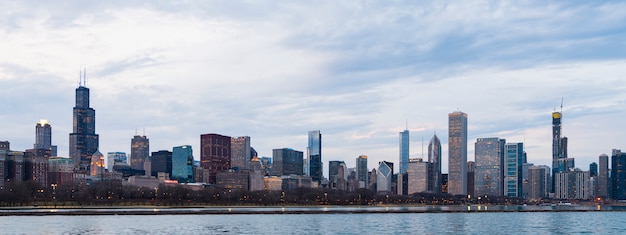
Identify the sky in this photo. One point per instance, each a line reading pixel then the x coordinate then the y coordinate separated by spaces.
pixel 358 71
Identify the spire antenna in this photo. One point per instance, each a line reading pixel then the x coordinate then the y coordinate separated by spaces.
pixel 85 75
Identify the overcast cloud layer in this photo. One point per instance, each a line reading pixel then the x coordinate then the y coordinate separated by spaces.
pixel 356 70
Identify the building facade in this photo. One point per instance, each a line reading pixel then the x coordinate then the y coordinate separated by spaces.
pixel 618 175
pixel 139 151
pixel 84 141
pixel 315 156
pixel 417 175
pixel 434 157
pixel 457 153
pixel 215 154
pixel 384 175
pixel 602 182
pixel 287 161
pixel 182 164
pixel 489 160
pixel 513 160
pixel 361 172
pixel 404 151
pixel 161 161
pixel 240 154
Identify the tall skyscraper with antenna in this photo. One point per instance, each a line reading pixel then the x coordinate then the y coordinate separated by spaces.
pixel 404 151
pixel 83 140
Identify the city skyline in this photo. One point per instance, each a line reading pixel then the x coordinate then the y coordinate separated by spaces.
pixel 275 76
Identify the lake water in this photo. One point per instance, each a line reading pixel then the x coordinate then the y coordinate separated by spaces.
pixel 394 223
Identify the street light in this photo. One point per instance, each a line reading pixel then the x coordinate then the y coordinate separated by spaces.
pixel 326 197
pixel 156 196
pixel 54 194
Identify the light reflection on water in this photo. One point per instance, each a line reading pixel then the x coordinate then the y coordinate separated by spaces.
pixel 404 223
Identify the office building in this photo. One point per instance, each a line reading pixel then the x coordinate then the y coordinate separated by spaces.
pixel 116 158
pixel 315 156
pixel 215 154
pixel 537 183
pixel 266 164
pixel 457 153
pixel 618 175
pixel 513 158
pixel 256 175
pixel 43 138
pixel 434 157
pixel 161 161
pixel 182 164
pixel 333 172
pixel 404 151
pixel 233 179
pixel 489 156
pixel 286 161
pixel 384 176
pixel 417 175
pixel 240 153
pixel 84 141
pixel 60 171
pixel 139 152
pixel 361 172
pixel 471 170
pixel 602 181
pixel 593 169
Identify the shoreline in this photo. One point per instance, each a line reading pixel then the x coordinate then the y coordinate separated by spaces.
pixel 242 210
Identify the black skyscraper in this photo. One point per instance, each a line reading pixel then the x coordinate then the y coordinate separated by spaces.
pixel 83 140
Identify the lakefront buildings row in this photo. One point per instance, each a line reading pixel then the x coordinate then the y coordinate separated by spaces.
pixel 500 168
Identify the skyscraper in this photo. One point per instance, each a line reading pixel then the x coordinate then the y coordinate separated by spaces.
pixel 537 181
pixel 286 161
pixel 457 153
pixel 513 158
pixel 43 135
pixel 83 140
pixel 182 164
pixel 116 158
pixel 333 172
pixel 434 157
pixel 489 156
pixel 161 162
pixel 417 174
pixel 602 183
pixel 240 152
pixel 361 172
pixel 404 151
pixel 215 154
pixel 383 177
pixel 618 175
pixel 315 156
pixel 139 152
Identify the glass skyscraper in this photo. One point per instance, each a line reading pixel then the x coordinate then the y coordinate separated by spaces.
pixel 457 153
pixel 513 160
pixel 618 175
pixel 182 164
pixel 404 151
pixel 315 156
pixel 361 171
pixel 434 157
pixel 383 177
pixel 83 140
pixel 489 160
pixel 286 161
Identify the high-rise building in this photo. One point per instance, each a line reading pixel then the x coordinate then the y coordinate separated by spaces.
pixel 43 137
pixel 560 160
pixel 361 171
pixel 489 156
pixel 116 158
pixel 457 153
pixel 266 165
pixel 404 151
pixel 182 164
pixel 618 175
pixel 286 161
pixel 84 141
pixel 573 184
pixel 315 156
pixel 537 182
pixel 139 151
pixel 240 152
pixel 434 157
pixel 161 161
pixel 60 171
pixel 471 170
pixel 215 154
pixel 513 158
pixel 593 169
pixel 417 175
pixel 602 182
pixel 333 172
pixel 383 177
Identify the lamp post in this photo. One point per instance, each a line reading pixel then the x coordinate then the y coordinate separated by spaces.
pixel 326 198
pixel 156 196
pixel 54 194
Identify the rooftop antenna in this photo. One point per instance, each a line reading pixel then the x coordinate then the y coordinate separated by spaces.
pixel 80 76
pixel 85 73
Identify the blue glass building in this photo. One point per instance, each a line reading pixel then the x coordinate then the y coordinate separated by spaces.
pixel 315 156
pixel 182 164
pixel 513 160
pixel 404 151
